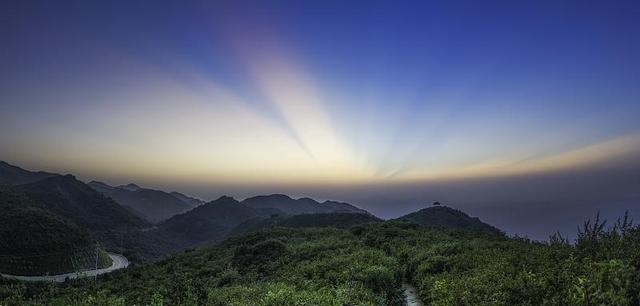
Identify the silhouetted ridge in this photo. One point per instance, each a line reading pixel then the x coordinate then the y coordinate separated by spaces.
pixel 130 187
pixel 13 175
pixel 344 207
pixel 66 196
pixel 300 206
pixel 446 217
pixel 152 205
pixel 193 202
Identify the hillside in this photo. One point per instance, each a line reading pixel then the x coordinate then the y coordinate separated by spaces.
pixel 278 267
pixel 208 222
pixel 337 220
pixel 446 217
pixel 152 205
pixel 366 265
pixel 299 206
pixel 13 175
pixel 34 241
pixel 74 200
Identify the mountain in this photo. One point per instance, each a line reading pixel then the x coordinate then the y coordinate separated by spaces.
pixel 225 216
pixel 341 207
pixel 74 200
pixel 300 206
pixel 35 241
pixel 13 175
pixel 193 202
pixel 114 226
pixel 446 217
pixel 208 222
pixel 337 220
pixel 130 187
pixel 152 205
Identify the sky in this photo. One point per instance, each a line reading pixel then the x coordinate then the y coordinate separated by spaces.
pixel 516 112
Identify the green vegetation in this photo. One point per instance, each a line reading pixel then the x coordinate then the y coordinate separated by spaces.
pixel 276 267
pixel 33 241
pixel 337 220
pixel 456 268
pixel 366 264
pixel 113 226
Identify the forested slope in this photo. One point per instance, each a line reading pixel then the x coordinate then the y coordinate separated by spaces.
pixel 34 241
pixel 365 265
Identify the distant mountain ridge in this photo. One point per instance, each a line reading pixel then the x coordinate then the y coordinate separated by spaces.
pixel 217 219
pixel 194 202
pixel 208 222
pixel 122 217
pixel 14 175
pixel 446 217
pixel 152 205
pixel 129 187
pixel 291 206
pixel 68 197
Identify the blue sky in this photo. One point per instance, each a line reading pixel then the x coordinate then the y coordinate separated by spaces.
pixel 318 93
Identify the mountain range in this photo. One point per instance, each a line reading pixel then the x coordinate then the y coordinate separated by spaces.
pixel 208 222
pixel 287 205
pixel 144 223
pixel 215 220
pixel 148 223
pixel 152 205
pixel 66 196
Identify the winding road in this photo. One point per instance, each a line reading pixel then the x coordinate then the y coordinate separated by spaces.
pixel 118 262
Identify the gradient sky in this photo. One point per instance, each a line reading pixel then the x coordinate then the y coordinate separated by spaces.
pixel 326 98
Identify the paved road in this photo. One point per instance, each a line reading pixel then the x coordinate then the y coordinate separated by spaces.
pixel 410 296
pixel 119 262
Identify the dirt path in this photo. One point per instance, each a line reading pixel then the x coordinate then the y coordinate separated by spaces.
pixel 118 262
pixel 410 295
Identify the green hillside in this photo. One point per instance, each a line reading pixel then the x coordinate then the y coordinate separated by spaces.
pixel 366 265
pixel 34 241
pixel 337 220
pixel 113 226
